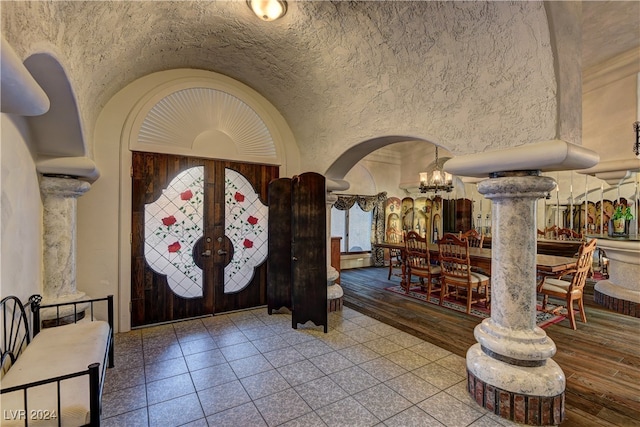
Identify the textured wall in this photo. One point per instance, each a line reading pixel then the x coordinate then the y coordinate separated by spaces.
pixel 468 75
pixel 21 256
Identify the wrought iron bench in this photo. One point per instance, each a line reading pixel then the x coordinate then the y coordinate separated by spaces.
pixel 54 376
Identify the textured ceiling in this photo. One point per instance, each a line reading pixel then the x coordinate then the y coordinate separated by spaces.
pixel 609 29
pixel 471 76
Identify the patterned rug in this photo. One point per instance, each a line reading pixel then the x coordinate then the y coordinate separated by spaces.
pixel 543 319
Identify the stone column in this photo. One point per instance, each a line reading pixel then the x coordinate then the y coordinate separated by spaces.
pixel 59 196
pixel 510 370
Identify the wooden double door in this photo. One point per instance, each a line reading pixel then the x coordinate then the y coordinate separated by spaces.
pixel 199 236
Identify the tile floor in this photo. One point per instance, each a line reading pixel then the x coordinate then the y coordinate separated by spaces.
pixel 250 369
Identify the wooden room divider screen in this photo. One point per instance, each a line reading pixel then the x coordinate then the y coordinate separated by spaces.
pixel 297 263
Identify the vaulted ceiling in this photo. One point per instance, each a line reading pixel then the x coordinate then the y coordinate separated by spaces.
pixel 340 72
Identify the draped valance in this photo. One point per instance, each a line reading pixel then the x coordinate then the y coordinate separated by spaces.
pixel 368 203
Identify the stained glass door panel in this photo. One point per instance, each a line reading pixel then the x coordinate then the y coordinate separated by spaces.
pixel 246 220
pixel 173 225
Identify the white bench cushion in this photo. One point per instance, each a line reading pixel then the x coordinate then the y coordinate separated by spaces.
pixel 53 352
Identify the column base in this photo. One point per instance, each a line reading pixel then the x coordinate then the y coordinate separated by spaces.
pixel 528 395
pixel 334 298
pixel 517 407
pixel 619 305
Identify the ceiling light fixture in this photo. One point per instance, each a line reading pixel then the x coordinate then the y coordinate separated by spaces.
pixel 439 181
pixel 268 10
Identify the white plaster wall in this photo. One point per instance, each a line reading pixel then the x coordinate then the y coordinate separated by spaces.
pixel 609 112
pixel 361 181
pixel 21 234
pixel 386 176
pixel 370 177
pixel 98 229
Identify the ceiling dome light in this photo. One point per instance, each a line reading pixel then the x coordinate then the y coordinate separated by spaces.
pixel 268 10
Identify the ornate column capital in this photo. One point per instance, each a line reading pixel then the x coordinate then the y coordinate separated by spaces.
pixel 62 186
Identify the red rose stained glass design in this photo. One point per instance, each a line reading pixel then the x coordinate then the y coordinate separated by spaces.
pixel 170 220
pixel 173 224
pixel 245 226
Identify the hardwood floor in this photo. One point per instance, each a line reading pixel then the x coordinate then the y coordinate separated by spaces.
pixel 601 359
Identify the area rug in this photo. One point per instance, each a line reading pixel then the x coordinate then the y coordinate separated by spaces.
pixel 543 319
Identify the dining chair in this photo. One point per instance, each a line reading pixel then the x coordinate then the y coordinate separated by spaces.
pixel 572 289
pixel 395 256
pixel 475 239
pixel 569 234
pixel 456 272
pixel 418 263
pixel 395 261
pixel 551 232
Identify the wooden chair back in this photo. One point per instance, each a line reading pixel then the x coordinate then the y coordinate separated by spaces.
pixel 475 239
pixel 572 290
pixel 583 266
pixel 454 258
pixel 416 252
pixel 395 261
pixel 418 263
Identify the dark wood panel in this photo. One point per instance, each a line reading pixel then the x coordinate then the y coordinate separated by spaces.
pixel 600 359
pixel 309 250
pixel 279 262
pixel 151 174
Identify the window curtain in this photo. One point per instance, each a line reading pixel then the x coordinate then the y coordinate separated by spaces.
pixel 367 203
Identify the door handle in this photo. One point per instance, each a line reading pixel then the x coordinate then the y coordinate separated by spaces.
pixel 207 252
pixel 221 252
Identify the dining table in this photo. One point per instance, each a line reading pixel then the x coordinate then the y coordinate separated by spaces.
pixel 481 258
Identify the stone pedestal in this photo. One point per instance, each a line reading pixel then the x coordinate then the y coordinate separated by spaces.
pixel 59 196
pixel 621 291
pixel 334 290
pixel 509 370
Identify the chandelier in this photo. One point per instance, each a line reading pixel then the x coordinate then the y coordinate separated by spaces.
pixel 438 181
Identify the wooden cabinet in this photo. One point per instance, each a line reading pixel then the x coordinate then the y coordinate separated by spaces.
pixel 457 215
pixel 335 255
